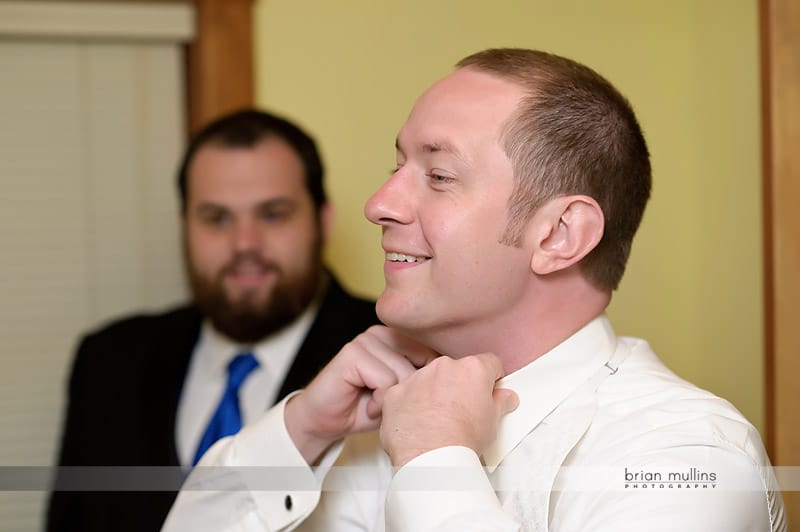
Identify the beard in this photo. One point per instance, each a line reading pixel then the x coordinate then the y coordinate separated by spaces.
pixel 253 317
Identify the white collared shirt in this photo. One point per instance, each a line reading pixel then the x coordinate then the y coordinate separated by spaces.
pixel 207 377
pixel 601 423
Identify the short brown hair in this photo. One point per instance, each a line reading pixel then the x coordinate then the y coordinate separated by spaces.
pixel 573 133
pixel 245 129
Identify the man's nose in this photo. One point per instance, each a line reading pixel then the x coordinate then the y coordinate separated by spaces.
pixel 246 236
pixel 392 203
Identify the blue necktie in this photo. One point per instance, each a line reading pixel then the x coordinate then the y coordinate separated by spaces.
pixel 227 418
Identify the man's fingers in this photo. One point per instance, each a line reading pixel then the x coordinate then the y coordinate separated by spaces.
pixel 375 403
pixel 373 372
pixel 398 343
pixel 505 401
pixel 492 364
pixel 373 344
pixel 422 358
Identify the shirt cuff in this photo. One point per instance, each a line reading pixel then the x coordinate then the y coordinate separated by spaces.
pixel 436 487
pixel 283 486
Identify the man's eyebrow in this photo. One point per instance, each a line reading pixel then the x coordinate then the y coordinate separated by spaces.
pixel 279 202
pixel 435 147
pixel 209 206
pixel 269 203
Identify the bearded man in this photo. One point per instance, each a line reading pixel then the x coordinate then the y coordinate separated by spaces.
pixel 158 390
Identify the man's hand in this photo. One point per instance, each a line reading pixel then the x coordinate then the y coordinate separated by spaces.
pixel 347 395
pixel 448 402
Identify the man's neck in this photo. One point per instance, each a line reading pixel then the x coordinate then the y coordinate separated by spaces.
pixel 528 331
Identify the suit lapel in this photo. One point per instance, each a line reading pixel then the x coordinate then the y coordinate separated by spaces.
pixel 168 362
pixel 315 350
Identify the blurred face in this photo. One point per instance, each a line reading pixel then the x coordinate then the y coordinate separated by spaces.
pixel 252 237
pixel 443 213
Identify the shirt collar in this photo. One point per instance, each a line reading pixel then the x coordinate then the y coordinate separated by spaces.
pixel 547 381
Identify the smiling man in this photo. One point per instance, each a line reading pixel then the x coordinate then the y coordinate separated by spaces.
pixel 498 395
pixel 266 316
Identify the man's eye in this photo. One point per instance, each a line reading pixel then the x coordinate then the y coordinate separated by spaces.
pixel 216 218
pixel 275 215
pixel 438 178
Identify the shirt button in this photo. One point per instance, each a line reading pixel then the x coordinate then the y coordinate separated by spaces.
pixel 287 502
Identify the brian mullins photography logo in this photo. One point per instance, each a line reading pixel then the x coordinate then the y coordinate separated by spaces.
pixel 693 478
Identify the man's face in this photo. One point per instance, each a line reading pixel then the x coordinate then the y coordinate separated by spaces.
pixel 443 212
pixel 252 237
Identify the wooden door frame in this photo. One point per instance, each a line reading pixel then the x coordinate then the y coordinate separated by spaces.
pixel 780 100
pixel 219 61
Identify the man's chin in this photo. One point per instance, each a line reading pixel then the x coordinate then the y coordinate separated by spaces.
pixel 250 313
pixel 247 323
pixel 409 323
pixel 399 311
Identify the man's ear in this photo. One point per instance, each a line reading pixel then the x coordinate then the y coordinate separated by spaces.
pixel 326 216
pixel 565 229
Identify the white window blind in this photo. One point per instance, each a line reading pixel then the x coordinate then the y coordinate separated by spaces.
pixel 91 128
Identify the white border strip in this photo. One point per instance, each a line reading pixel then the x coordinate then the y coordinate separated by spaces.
pixel 116 20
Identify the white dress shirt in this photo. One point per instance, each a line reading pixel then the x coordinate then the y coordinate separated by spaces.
pixel 605 438
pixel 207 377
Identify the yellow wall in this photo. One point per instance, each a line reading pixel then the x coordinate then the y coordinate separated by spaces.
pixel 349 71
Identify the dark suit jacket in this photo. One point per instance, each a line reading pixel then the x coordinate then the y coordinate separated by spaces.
pixel 123 396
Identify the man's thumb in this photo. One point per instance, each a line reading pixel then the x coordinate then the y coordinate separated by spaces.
pixel 505 400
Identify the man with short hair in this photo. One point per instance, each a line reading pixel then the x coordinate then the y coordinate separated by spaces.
pixel 501 396
pixel 157 390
